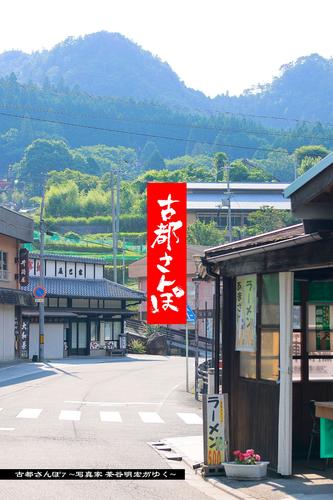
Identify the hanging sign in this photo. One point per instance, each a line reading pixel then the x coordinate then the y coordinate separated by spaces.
pixel 24 267
pixel 215 428
pixel 246 308
pixel 166 253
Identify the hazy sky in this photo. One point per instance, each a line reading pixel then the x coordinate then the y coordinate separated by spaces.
pixel 213 45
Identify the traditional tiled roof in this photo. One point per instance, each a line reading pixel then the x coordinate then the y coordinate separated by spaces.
pixel 69 258
pixel 83 288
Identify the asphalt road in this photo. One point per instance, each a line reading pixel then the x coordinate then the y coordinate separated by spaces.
pixel 85 413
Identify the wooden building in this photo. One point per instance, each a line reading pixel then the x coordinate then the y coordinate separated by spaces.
pixel 277 324
pixel 84 312
pixel 15 229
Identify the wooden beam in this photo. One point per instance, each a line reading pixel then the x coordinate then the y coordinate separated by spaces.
pixel 318 253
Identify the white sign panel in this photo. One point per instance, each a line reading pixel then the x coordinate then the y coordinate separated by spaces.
pixel 70 269
pixel 246 313
pixel 61 272
pixel 215 418
pixel 80 270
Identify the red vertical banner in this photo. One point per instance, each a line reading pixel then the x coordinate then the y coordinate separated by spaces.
pixel 166 253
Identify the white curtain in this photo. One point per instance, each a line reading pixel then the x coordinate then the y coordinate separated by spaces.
pixel 286 282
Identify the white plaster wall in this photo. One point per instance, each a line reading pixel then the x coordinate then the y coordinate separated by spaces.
pixel 7 329
pixel 50 268
pixel 54 341
pixel 98 272
pixel 90 271
pixel 33 340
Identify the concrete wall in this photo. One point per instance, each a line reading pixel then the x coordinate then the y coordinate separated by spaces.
pixel 7 337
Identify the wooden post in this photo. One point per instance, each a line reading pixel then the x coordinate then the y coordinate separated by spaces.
pixel 286 284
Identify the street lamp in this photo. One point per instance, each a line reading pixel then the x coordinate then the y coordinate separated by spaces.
pixel 196 280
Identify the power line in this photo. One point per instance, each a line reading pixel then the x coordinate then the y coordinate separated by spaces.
pixel 169 106
pixel 287 134
pixel 141 134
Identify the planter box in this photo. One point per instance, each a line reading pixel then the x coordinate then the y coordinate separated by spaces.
pixel 246 472
pixel 97 352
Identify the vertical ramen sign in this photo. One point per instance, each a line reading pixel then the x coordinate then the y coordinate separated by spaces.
pixel 166 253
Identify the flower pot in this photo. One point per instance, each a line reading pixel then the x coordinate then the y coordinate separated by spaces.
pixel 253 472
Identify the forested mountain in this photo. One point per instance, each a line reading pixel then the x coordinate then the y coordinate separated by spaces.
pixel 303 90
pixel 93 94
pixel 103 64
pixel 109 65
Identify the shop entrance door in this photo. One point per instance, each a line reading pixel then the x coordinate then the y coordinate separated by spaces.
pixel 78 344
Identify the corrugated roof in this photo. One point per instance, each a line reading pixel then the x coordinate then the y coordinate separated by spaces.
pixel 308 175
pixel 285 233
pixel 69 258
pixel 95 289
pixel 260 186
pixel 242 199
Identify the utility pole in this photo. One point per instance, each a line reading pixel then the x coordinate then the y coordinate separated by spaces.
pixel 114 237
pixel 123 262
pixel 228 193
pixel 42 275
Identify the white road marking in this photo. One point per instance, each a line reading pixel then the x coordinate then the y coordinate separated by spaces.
pixel 150 417
pixel 109 403
pixel 7 428
pixel 29 413
pixel 110 416
pixel 70 415
pixel 190 418
pixel 1 409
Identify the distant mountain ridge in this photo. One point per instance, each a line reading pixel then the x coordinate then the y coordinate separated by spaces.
pixel 103 64
pixel 109 64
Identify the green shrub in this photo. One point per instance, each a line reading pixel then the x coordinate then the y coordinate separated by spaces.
pixel 137 347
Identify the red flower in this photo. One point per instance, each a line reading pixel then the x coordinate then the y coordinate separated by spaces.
pixel 257 458
pixel 250 452
pixel 236 453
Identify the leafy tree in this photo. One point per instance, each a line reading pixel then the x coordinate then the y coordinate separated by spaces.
pixel 267 219
pixel 220 159
pixel 155 161
pixel 200 233
pixel 84 182
pixel 307 163
pixel 316 152
pixel 39 158
pixel 63 200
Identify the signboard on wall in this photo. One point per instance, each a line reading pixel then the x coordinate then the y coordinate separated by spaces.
pixel 24 267
pixel 166 253
pixel 215 428
pixel 246 308
pixel 323 334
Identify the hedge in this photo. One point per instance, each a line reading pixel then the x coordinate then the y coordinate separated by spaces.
pixel 127 223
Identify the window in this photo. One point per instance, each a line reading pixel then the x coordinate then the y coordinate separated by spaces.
pixel 93 303
pixel 320 341
pixel 112 330
pixel 80 302
pixel 270 327
pixel 112 304
pixel 3 265
pixel 94 331
pixel 248 364
pixel 265 362
pixel 53 302
pixel 62 302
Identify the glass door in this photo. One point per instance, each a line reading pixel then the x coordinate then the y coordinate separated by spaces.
pixel 78 339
